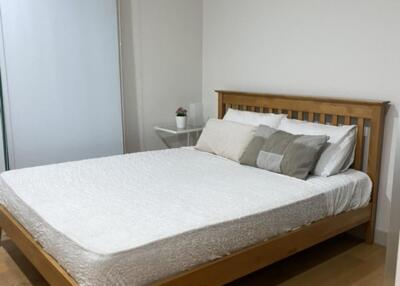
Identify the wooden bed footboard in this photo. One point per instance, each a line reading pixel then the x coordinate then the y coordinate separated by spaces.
pixel 250 259
pixel 217 272
pixel 50 269
pixel 367 115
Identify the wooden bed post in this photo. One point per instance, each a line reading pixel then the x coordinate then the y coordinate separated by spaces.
pixel 50 269
pixel 374 163
pixel 221 105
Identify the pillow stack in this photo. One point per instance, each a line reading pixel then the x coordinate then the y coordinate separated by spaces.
pixel 274 143
pixel 254 118
pixel 281 152
pixel 229 137
pixel 338 155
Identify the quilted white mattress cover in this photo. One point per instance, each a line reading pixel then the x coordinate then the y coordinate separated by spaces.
pixel 134 219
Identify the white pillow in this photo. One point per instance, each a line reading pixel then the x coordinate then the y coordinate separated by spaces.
pixel 338 155
pixel 254 118
pixel 225 138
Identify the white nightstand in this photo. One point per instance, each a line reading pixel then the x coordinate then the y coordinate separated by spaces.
pixel 172 129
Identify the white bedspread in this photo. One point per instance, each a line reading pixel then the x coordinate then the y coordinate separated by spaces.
pixel 133 219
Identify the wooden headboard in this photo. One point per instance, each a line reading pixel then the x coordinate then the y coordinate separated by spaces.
pixel 368 115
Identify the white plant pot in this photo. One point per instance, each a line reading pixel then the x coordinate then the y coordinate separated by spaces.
pixel 181 122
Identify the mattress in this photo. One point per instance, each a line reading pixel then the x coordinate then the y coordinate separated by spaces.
pixel 137 218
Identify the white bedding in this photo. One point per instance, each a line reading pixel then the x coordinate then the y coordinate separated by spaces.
pixel 134 219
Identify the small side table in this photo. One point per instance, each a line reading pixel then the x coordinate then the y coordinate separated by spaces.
pixel 172 129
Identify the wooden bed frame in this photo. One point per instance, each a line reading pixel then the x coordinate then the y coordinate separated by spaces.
pixel 226 269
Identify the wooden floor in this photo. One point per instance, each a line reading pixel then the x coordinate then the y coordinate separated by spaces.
pixel 343 260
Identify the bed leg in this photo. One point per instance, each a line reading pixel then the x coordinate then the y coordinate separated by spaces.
pixel 370 232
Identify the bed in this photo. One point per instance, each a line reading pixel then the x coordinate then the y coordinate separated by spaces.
pixel 69 222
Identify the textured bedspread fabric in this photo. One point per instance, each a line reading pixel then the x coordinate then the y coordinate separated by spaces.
pixel 137 218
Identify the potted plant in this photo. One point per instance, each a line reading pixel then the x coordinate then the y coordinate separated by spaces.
pixel 181 118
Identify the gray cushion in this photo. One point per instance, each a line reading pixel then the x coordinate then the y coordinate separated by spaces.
pixel 282 152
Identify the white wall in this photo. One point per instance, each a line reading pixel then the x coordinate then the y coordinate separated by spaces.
pixel 168 60
pixel 60 75
pixel 392 263
pixel 132 120
pixel 344 48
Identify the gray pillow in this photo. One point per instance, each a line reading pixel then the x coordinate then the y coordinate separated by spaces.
pixel 282 152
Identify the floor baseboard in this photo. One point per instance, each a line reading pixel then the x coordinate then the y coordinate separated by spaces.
pixel 380 237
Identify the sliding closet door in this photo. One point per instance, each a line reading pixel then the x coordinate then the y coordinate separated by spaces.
pixel 60 74
pixel 3 152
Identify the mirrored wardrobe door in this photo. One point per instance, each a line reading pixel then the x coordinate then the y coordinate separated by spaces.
pixel 3 145
pixel 61 85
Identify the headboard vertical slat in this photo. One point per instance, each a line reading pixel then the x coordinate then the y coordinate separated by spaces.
pixel 333 108
pixel 322 118
pixel 221 106
pixel 334 120
pixel 374 160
